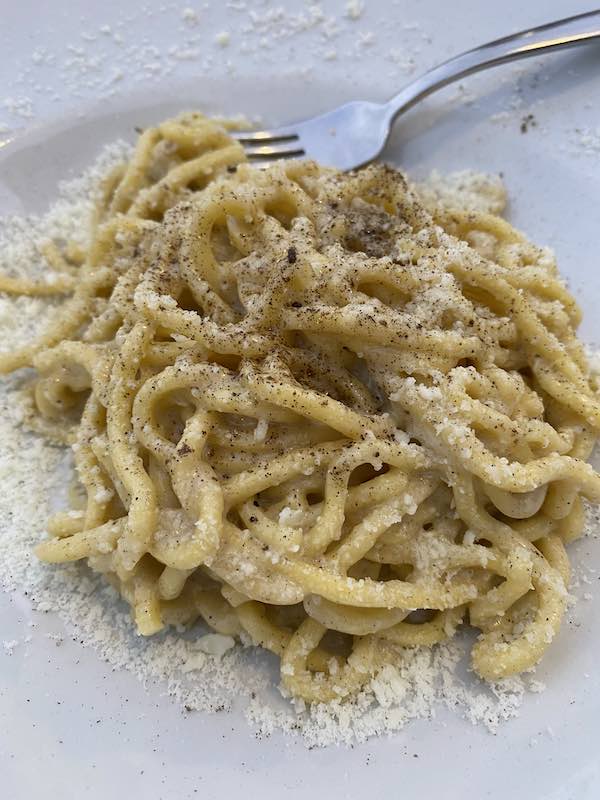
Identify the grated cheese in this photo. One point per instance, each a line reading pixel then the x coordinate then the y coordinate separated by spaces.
pixel 354 9
pixel 223 38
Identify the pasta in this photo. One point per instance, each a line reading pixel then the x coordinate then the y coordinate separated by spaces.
pixel 316 409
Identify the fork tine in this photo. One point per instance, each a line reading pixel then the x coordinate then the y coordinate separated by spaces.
pixel 269 158
pixel 287 149
pixel 264 147
pixel 277 135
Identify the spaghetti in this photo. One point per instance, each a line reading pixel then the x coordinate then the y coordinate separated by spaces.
pixel 316 408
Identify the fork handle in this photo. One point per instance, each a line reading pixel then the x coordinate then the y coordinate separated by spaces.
pixel 552 36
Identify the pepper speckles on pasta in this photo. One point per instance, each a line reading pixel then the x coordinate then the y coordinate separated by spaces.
pixel 320 408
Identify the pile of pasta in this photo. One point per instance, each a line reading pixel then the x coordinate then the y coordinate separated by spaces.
pixel 314 408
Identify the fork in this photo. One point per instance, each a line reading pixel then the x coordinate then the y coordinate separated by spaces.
pixel 355 133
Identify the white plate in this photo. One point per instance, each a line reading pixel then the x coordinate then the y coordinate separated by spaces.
pixel 70 725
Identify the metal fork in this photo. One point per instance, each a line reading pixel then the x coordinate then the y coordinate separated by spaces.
pixel 355 133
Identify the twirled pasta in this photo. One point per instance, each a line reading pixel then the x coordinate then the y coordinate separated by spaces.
pixel 312 407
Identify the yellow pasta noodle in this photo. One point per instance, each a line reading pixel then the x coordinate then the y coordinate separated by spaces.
pixel 315 408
